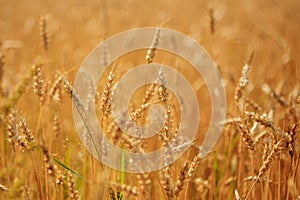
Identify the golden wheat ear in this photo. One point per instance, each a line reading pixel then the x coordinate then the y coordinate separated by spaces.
pixel 73 193
pixel 38 84
pixel 45 38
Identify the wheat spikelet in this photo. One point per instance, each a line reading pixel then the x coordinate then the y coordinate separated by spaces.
pixel 212 21
pixel 72 93
pixel 167 182
pixel 12 127
pixel 192 168
pixel 114 131
pixel 262 119
pixel 19 132
pixel 269 159
pixel 291 138
pixel 51 168
pixel 117 135
pixel 151 51
pixel 56 125
pixel 45 39
pixel 55 91
pixel 243 82
pixel 27 193
pixel 112 194
pixel 144 183
pixel 38 84
pixel 266 151
pixel 73 193
pixel 168 125
pixel 246 135
pixel 138 112
pixel 201 185
pixel 149 93
pixel 107 94
pixel 183 175
pixel 162 89
pixel 127 189
pixel 29 139
pixel 59 178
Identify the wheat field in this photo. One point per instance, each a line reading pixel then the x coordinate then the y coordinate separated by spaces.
pixel 253 43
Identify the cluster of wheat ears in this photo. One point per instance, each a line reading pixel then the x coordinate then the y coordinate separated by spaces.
pixel 41 156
